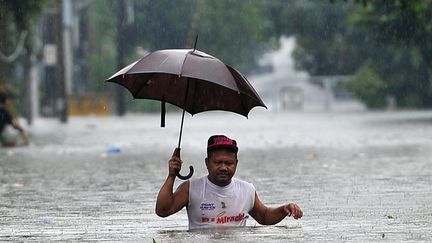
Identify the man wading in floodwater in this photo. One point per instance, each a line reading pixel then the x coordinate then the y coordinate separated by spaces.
pixel 218 199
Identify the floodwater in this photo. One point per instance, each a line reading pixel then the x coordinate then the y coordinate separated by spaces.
pixel 359 177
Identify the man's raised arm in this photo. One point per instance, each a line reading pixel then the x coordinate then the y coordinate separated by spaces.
pixel 167 202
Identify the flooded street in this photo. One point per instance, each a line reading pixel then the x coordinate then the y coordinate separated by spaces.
pixel 360 177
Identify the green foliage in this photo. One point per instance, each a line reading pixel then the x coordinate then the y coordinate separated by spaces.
pixel 160 25
pixel 392 38
pixel 234 31
pixel 368 86
pixel 102 41
pixel 16 17
pixel 405 27
pixel 320 31
pixel 17 20
pixel 22 12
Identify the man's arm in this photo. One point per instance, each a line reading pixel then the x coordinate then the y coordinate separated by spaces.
pixel 167 202
pixel 269 216
pixel 15 124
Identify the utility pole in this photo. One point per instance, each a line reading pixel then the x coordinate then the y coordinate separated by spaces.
pixel 68 18
pixel 31 80
pixel 51 55
pixel 125 18
pixel 33 90
pixel 65 59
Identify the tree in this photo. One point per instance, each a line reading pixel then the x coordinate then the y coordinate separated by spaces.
pixel 407 22
pixel 320 29
pixel 392 38
pixel 234 31
pixel 369 86
pixel 407 27
pixel 17 20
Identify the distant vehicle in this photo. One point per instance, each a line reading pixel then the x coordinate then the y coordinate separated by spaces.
pixel 291 98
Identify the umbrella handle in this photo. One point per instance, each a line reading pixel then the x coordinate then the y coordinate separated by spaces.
pixel 191 169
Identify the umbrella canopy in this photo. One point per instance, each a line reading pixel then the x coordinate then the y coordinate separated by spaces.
pixel 190 79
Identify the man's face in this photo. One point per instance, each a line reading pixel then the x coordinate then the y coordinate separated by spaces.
pixel 221 165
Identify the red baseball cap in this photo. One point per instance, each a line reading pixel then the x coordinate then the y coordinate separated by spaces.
pixel 221 142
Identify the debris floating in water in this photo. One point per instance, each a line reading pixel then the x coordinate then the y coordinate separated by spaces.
pixel 114 150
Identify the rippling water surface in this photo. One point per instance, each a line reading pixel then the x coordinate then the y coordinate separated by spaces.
pixel 357 176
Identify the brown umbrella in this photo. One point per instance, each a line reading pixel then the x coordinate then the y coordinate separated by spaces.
pixel 190 79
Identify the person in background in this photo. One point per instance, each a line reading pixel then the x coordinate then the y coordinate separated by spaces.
pixel 7 119
pixel 218 199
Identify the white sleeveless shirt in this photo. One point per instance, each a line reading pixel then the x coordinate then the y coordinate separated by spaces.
pixel 212 206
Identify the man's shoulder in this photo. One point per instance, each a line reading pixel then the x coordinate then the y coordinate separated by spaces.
pixel 240 180
pixel 4 111
pixel 5 115
pixel 244 183
pixel 202 178
pixel 197 181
